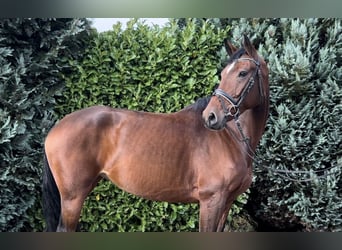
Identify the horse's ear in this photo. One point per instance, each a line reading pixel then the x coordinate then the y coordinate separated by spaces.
pixel 249 47
pixel 230 48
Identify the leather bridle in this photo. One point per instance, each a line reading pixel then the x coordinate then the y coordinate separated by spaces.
pixel 234 110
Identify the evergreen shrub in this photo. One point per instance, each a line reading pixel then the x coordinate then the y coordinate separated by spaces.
pixel 304 128
pixel 31 61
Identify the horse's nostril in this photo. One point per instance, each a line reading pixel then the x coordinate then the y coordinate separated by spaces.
pixel 212 119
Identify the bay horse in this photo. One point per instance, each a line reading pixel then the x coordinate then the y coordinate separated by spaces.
pixel 202 153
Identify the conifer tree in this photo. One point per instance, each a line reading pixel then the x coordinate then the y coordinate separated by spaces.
pixel 31 59
pixel 303 136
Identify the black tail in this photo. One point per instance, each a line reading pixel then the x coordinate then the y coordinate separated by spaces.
pixel 51 199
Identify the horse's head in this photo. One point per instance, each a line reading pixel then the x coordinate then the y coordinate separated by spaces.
pixel 241 86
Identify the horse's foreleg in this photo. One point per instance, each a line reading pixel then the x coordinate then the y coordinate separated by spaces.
pixel 212 210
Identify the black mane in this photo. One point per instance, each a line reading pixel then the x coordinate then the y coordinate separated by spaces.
pixel 200 104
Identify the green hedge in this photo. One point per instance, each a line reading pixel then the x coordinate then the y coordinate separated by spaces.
pixel 152 69
pixel 146 68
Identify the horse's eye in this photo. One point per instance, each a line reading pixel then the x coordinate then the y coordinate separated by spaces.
pixel 243 73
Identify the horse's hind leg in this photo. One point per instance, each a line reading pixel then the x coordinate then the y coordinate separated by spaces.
pixel 72 200
pixel 70 213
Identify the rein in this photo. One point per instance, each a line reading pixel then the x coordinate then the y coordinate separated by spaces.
pixel 285 173
pixel 234 111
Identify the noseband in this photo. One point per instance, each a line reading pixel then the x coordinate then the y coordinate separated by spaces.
pixel 234 110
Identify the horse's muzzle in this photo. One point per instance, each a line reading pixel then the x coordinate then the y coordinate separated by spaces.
pixel 214 121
